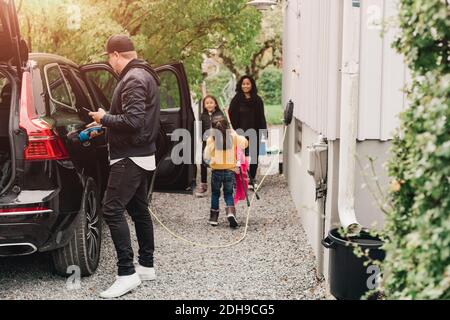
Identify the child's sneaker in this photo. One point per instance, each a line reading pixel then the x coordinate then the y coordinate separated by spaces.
pixel 201 190
pixel 231 216
pixel 214 217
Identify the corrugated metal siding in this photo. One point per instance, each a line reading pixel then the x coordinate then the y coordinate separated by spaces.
pixel 312 46
pixel 291 55
pixel 383 73
pixel 319 47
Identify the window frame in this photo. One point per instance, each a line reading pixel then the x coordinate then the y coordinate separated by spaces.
pixel 52 99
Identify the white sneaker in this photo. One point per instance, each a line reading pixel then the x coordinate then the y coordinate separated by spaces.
pixel 145 273
pixel 121 286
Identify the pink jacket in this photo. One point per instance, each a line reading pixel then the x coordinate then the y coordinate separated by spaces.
pixel 240 191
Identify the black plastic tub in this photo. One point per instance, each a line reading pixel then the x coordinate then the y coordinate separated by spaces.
pixel 348 276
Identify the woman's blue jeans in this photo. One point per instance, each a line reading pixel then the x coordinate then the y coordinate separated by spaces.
pixel 227 179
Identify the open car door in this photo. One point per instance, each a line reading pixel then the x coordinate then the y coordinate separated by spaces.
pixel 13 49
pixel 176 113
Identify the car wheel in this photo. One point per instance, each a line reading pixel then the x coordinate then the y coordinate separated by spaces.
pixel 83 250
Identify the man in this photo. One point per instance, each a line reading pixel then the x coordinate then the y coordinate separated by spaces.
pixel 132 127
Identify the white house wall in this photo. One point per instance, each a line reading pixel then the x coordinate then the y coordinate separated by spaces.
pixel 301 184
pixel 312 44
pixel 369 199
pixel 382 72
pixel 316 58
pixel 312 47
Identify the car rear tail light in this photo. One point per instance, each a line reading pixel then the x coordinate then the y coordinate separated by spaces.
pixel 43 142
pixel 38 209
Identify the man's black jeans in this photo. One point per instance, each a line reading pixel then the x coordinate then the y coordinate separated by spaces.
pixel 127 188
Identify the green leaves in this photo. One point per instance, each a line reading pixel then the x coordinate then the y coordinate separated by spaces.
pixel 72 29
pixel 164 30
pixel 255 44
pixel 418 227
pixel 426 31
pixel 269 86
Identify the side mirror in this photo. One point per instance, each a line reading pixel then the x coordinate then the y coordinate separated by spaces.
pixel 288 113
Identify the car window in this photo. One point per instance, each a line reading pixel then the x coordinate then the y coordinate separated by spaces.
pixel 170 96
pixel 74 84
pixel 58 88
pixel 103 84
pixel 3 83
pixel 5 92
pixel 88 103
pixel 5 107
pixel 70 87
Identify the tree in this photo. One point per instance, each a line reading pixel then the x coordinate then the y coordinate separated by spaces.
pixel 76 30
pixel 262 51
pixel 163 30
pixel 269 86
pixel 417 264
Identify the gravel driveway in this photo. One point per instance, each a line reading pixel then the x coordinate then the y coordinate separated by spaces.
pixel 273 262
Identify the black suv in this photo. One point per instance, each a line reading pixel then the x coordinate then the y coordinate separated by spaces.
pixel 51 185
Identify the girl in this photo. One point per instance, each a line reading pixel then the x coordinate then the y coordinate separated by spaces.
pixel 220 151
pixel 247 112
pixel 210 109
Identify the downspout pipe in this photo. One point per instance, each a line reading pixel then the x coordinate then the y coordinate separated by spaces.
pixel 349 115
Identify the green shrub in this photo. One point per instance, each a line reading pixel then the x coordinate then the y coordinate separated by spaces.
pixel 269 86
pixel 417 264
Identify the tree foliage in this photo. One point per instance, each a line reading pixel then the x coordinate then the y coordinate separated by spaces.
pixel 163 30
pixel 56 26
pixel 264 50
pixel 417 265
pixel 269 86
pixel 216 84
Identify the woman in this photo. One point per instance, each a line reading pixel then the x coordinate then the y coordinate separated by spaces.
pixel 247 112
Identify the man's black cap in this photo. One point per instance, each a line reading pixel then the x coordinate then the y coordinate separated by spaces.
pixel 119 43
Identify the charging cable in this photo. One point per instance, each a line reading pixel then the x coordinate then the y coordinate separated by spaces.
pixel 274 162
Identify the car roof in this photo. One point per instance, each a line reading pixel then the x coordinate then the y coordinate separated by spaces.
pixel 46 58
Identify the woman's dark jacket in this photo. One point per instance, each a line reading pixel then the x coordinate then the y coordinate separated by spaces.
pixel 247 113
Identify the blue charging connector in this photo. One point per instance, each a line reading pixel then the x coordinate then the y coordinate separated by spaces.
pixel 85 135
